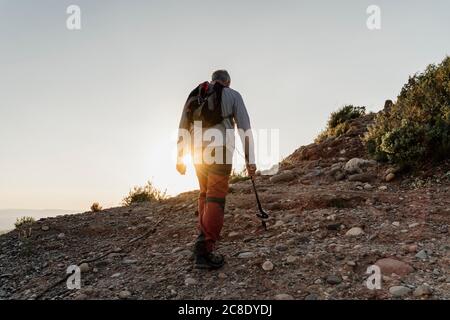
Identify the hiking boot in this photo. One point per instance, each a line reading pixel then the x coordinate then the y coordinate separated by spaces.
pixel 209 261
pixel 199 247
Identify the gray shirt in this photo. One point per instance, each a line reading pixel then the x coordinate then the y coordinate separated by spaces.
pixel 235 114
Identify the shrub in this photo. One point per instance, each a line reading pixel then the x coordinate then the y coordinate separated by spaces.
pixel 417 127
pixel 24 222
pixel 338 123
pixel 96 207
pixel 237 176
pixel 148 193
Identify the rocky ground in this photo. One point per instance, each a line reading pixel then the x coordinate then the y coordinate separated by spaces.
pixel 333 215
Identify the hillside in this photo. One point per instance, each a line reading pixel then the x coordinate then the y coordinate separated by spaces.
pixel 331 219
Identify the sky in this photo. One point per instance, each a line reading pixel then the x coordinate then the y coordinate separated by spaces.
pixel 87 114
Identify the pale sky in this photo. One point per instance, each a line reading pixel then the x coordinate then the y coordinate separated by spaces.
pixel 85 115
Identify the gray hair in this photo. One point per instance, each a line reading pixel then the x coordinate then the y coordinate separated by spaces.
pixel 221 75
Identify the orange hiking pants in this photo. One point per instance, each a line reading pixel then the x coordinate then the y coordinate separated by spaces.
pixel 213 181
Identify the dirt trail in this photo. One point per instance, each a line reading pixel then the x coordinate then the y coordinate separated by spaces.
pixel 314 210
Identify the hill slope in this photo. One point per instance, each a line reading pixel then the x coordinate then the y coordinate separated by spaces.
pixel 143 252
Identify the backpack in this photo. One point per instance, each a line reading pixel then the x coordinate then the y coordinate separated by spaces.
pixel 205 104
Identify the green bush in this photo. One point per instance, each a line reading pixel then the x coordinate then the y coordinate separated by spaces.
pixel 338 123
pixel 96 207
pixel 237 176
pixel 148 193
pixel 417 127
pixel 24 222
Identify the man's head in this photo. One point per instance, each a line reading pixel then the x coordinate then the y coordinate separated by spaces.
pixel 221 76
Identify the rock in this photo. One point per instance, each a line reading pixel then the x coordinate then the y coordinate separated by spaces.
pixel 125 294
pixel 267 265
pixel 233 234
pixel 246 255
pixel 339 176
pixel 367 186
pixel 116 275
pixel 396 224
pixel 332 279
pixel 361 177
pixel 393 170
pixel 355 165
pixel 130 261
pixel 284 296
pixel 281 247
pixel 412 248
pixel 389 177
pixel 222 275
pixel 291 259
pixel 423 290
pixel 45 228
pixel 84 267
pixel 190 281
pixel 335 168
pixel 389 266
pixel 413 225
pixel 354 232
pixel 422 254
pixel 311 296
pixel 399 291
pixel 284 176
pixel 382 188
pixel 61 236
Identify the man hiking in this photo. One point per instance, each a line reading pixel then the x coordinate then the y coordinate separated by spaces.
pixel 211 112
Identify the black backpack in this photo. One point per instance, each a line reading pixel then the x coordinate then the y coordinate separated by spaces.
pixel 205 104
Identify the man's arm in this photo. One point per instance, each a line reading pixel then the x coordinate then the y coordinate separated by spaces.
pixel 242 120
pixel 183 141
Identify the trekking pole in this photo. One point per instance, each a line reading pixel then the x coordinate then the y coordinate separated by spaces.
pixel 262 214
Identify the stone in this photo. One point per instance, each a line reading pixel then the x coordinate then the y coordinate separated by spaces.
pixel 125 294
pixel 333 279
pixel 281 247
pixel 222 275
pixel 389 177
pixel 389 266
pixel 284 296
pixel 190 281
pixel 267 265
pixel 367 186
pixel 361 177
pixel 246 255
pixel 413 225
pixel 116 275
pixel 423 290
pixel 396 224
pixel 130 261
pixel 233 234
pixel 382 188
pixel 422 255
pixel 45 228
pixel 61 236
pixel 291 259
pixel 84 267
pixel 339 176
pixel 284 176
pixel 355 165
pixel 412 248
pixel 354 232
pixel 311 296
pixel 399 291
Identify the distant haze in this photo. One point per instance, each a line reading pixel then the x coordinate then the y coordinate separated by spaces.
pixel 9 216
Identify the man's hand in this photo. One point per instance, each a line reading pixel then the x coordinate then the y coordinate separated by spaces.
pixel 251 169
pixel 181 168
